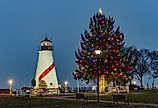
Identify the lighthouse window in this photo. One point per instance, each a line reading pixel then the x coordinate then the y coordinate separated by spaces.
pixel 48 44
pixel 45 44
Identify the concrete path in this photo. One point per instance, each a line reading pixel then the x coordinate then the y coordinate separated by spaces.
pixel 102 101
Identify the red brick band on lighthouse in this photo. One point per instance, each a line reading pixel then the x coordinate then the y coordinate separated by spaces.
pixel 44 73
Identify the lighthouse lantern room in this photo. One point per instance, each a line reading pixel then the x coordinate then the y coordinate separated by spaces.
pixel 46 44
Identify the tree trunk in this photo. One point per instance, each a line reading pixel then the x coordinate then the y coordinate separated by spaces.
pixel 130 82
pixel 153 84
pixel 114 83
pixel 141 81
pixel 147 86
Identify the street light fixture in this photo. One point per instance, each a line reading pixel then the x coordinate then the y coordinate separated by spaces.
pixel 10 86
pixel 66 83
pixel 134 82
pixel 97 52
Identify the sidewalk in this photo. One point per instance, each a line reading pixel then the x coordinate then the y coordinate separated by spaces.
pixel 102 101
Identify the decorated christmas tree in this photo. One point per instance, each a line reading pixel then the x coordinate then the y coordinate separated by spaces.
pixel 112 62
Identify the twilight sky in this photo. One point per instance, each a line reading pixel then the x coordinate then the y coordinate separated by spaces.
pixel 24 23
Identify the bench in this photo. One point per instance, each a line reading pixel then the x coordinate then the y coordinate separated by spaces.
pixel 80 96
pixel 117 98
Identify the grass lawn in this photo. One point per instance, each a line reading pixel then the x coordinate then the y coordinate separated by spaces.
pixel 22 102
pixel 137 96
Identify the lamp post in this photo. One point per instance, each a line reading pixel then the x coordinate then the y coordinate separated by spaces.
pixel 97 52
pixel 10 86
pixel 78 86
pixel 66 86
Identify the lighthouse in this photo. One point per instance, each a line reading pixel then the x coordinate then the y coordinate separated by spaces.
pixel 45 69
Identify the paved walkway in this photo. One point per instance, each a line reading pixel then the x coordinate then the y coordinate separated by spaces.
pixel 72 99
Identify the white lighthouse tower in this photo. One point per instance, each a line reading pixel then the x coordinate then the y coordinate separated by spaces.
pixel 45 70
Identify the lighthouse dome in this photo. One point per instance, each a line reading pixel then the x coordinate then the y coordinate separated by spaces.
pixel 46 44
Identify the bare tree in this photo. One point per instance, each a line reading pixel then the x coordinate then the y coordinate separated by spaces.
pixel 154 67
pixel 142 65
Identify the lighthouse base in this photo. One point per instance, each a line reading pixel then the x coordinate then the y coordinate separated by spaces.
pixel 46 92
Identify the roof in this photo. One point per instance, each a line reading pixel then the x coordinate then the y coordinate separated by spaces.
pixel 24 88
pixel 46 39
